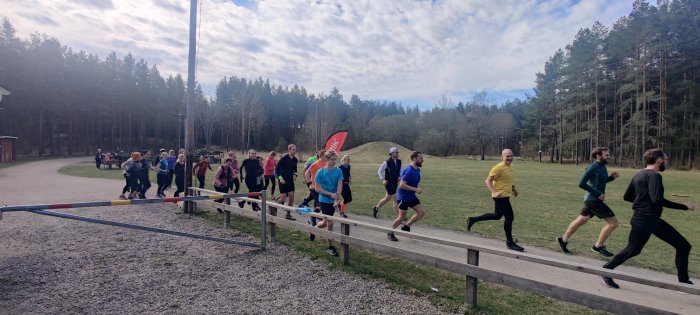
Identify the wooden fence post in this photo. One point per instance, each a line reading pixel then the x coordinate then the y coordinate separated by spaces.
pixel 345 248
pixel 273 226
pixel 472 259
pixel 227 219
pixel 263 220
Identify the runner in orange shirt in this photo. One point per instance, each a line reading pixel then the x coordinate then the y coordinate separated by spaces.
pixel 310 175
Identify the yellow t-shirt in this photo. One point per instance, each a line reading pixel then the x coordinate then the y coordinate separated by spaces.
pixel 502 179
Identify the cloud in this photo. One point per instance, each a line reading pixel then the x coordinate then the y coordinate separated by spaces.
pixel 96 4
pixel 41 19
pixel 173 6
pixel 403 50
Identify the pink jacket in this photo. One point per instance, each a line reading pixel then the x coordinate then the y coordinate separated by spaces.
pixel 270 165
pixel 222 176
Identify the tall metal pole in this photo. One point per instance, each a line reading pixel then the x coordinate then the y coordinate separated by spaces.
pixel 318 129
pixel 189 119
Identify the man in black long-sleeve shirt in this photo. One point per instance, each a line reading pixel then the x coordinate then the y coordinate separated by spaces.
pixel 646 192
pixel 286 172
pixel 251 168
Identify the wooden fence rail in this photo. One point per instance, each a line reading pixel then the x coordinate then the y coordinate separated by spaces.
pixel 469 268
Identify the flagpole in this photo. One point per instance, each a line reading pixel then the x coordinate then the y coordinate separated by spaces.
pixel 189 118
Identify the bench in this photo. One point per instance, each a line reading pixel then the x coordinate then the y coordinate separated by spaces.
pixel 108 164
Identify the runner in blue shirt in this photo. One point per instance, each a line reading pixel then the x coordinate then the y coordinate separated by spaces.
pixel 329 185
pixel 406 195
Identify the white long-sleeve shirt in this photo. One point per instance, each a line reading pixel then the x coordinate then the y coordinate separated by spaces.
pixel 382 170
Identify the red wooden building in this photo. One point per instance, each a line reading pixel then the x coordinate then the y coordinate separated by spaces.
pixel 7 148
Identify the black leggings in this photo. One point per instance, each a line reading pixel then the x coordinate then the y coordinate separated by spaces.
pixel 180 182
pixel 268 179
pixel 222 190
pixel 252 184
pixel 234 182
pixel 162 182
pixel 640 234
pixel 503 209
pixel 127 186
pixel 200 178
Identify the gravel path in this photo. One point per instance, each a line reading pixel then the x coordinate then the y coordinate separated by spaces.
pixel 51 266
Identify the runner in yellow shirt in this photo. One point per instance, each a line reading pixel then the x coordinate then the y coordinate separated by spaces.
pixel 500 183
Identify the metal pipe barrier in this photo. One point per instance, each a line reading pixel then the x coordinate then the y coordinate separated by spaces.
pixel 41 209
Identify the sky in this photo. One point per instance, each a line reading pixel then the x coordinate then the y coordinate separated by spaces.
pixel 409 51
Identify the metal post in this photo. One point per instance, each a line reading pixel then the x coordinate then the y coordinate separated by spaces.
pixel 470 296
pixel 189 119
pixel 318 128
pixel 263 219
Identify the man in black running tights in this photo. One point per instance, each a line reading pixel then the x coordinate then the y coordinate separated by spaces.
pixel 646 193
pixel 251 168
pixel 500 184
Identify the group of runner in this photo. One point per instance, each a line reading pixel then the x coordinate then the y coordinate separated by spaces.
pixel 645 191
pixel 329 189
pixel 136 171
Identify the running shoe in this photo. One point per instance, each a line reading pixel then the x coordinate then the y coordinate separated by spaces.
pixel 374 211
pixel 303 205
pixel 686 281
pixel 514 246
pixel 392 237
pixel 406 228
pixel 610 282
pixel 470 222
pixel 344 216
pixel 563 245
pixel 332 251
pixel 602 251
pixel 289 217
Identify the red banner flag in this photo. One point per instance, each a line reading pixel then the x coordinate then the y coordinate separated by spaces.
pixel 335 141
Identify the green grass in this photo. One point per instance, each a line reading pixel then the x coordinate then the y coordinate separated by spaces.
pixel 454 189
pixel 414 279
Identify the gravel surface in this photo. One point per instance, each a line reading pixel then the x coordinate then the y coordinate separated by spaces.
pixel 57 266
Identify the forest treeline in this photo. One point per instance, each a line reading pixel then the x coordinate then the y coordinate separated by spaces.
pixel 630 87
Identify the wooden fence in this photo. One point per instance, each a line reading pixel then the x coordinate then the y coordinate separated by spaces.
pixel 469 268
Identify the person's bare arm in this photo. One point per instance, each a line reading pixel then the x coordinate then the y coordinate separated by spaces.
pixel 489 184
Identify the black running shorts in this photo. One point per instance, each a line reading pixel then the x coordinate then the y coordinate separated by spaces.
pixel 327 208
pixel 597 208
pixel 404 205
pixel 288 186
pixel 391 188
